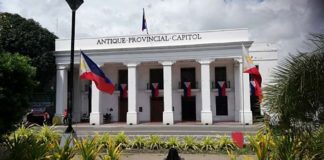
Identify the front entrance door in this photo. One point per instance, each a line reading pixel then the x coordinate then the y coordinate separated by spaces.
pixel 123 108
pixel 188 108
pixel 156 109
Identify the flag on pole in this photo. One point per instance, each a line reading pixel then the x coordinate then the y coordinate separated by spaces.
pixel 123 90
pixel 252 88
pixel 90 71
pixel 144 24
pixel 221 86
pixel 155 89
pixel 249 67
pixel 187 89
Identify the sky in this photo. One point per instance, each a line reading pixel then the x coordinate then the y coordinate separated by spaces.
pixel 287 23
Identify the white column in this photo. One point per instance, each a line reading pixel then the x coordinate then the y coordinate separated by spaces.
pixel 96 116
pixel 238 89
pixel 168 117
pixel 61 89
pixel 206 113
pixel 245 113
pixel 132 117
pixel 246 110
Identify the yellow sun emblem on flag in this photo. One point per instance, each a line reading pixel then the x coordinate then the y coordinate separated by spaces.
pixel 82 65
pixel 248 59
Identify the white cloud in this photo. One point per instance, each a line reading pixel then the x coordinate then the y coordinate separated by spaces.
pixel 286 22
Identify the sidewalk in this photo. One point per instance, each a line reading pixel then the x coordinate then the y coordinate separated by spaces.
pixel 179 129
pixel 161 156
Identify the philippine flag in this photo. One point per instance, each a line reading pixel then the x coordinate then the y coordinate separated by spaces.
pixel 144 24
pixel 90 71
pixel 252 88
pixel 249 67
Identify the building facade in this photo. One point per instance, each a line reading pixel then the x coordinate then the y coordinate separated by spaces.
pixel 165 78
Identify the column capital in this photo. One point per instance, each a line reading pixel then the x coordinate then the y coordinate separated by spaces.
pixel 237 60
pixel 61 67
pixel 204 61
pixel 166 63
pixel 131 64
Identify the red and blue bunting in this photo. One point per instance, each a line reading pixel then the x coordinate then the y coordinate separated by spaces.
pixel 155 89
pixel 187 89
pixel 123 90
pixel 221 86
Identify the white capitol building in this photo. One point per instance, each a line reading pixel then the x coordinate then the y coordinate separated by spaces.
pixel 201 58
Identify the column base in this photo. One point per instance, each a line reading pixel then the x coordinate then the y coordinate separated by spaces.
pixel 96 118
pixel 206 117
pixel 132 118
pixel 168 118
pixel 248 119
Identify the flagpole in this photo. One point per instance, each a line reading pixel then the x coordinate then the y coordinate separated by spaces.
pixel 243 96
pixel 242 78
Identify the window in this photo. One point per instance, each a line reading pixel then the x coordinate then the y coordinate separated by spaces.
pixel 123 76
pixel 156 76
pixel 220 74
pixel 188 75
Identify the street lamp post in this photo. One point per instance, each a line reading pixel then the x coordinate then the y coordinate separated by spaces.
pixel 74 5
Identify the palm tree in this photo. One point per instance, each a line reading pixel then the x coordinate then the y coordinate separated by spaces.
pixel 296 96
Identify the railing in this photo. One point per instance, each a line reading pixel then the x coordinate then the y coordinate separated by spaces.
pixel 213 84
pixel 194 85
pixel 117 86
pixel 149 85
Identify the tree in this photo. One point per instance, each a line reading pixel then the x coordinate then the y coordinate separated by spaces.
pixel 296 96
pixel 28 38
pixel 16 85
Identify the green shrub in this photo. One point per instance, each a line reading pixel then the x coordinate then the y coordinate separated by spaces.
pixel 48 135
pixel 208 144
pixel 224 144
pixel 89 148
pixel 262 145
pixel 63 153
pixel 122 140
pixel 113 151
pixel 24 144
pixel 189 143
pixel 103 139
pixel 314 146
pixel 138 142
pixel 154 143
pixel 286 147
pixel 172 142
